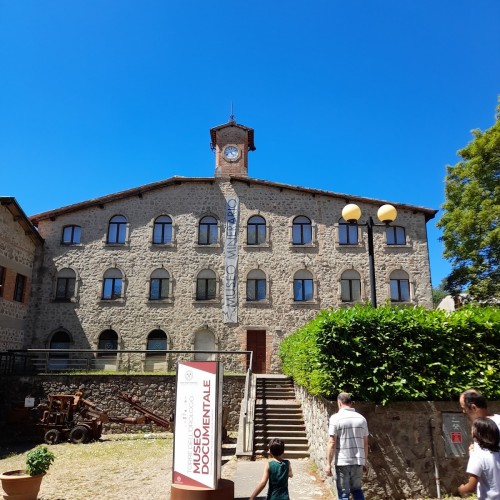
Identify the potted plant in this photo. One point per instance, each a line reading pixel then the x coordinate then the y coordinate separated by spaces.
pixel 25 484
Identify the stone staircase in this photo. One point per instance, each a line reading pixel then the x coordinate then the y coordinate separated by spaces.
pixel 278 415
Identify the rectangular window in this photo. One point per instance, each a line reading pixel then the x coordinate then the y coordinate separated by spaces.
pixel 65 289
pixel 396 235
pixel 302 290
pixel 256 290
pixel 117 233
pixel 71 235
pixel 256 234
pixel 158 289
pixel 207 234
pixel 162 233
pixel 350 290
pixel 19 289
pixel 301 234
pixel 157 345
pixel 400 290
pixel 205 289
pixel 112 289
pixel 2 279
pixel 348 234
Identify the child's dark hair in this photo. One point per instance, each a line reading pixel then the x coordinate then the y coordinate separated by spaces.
pixel 485 432
pixel 276 447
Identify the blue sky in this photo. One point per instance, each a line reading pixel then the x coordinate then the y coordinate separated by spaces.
pixel 372 98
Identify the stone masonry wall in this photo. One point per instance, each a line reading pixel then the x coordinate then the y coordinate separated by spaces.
pixel 17 256
pixel 400 449
pixel 182 317
pixel 156 393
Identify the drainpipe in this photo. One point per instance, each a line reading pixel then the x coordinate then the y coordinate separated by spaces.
pixel 433 448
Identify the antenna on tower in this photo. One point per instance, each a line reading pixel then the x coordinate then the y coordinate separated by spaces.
pixel 231 117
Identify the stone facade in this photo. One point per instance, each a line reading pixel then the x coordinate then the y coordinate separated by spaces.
pixel 187 322
pixel 18 244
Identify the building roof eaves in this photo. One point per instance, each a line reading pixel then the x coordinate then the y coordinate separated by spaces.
pixel 102 200
pixel 138 191
pixel 429 213
pixel 19 216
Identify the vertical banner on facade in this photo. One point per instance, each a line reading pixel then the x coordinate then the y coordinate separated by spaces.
pixel 198 412
pixel 231 261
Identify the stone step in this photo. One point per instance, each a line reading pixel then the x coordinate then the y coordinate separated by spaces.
pixel 287 455
pixel 271 412
pixel 277 420
pixel 274 395
pixel 290 440
pixel 258 426
pixel 267 397
pixel 284 407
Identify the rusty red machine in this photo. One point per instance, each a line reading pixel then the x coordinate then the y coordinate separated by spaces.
pixel 71 417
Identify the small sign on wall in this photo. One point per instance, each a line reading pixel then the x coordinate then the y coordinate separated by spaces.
pixel 455 434
pixel 29 402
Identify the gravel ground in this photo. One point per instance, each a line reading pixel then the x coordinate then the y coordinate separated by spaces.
pixel 117 467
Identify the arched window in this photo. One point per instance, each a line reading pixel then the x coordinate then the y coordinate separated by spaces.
pixel 206 285
pixel 159 285
pixel 108 344
pixel 350 286
pixel 256 230
pixel 204 341
pixel 400 286
pixel 208 231
pixel 348 233
pixel 59 361
pixel 303 286
pixel 162 231
pixel 395 235
pixel 65 287
pixel 156 361
pixel 256 286
pixel 108 341
pixel 117 230
pixel 301 230
pixel 112 287
pixel 71 235
pixel 157 341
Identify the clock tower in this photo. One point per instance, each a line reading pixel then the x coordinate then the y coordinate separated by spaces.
pixel 231 143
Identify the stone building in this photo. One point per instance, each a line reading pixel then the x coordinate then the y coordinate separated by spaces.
pixel 19 241
pixel 219 263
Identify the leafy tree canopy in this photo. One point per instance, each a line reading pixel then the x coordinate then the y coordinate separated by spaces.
pixel 470 223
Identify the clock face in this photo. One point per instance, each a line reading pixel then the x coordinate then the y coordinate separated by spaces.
pixel 231 153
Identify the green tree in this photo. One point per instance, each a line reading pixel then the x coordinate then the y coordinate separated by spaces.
pixel 439 293
pixel 470 223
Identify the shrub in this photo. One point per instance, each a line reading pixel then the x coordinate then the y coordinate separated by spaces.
pixel 39 460
pixel 396 354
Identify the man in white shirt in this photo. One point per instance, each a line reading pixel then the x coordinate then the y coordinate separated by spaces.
pixel 347 448
pixel 474 405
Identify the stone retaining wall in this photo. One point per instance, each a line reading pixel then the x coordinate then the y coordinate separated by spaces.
pixel 400 459
pixel 156 393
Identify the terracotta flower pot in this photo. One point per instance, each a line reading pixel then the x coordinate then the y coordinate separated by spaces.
pixel 17 485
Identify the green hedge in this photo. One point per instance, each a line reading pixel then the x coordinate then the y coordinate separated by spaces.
pixel 396 354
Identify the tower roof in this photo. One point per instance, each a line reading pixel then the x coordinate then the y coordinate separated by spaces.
pixel 232 123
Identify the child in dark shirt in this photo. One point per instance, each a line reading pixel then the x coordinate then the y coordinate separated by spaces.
pixel 277 471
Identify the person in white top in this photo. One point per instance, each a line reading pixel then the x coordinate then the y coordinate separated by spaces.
pixel 474 405
pixel 484 461
pixel 347 448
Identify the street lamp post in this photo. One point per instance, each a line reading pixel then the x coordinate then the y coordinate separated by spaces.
pixel 386 214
